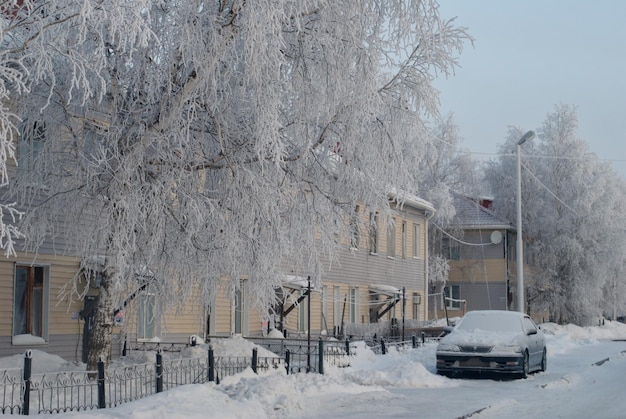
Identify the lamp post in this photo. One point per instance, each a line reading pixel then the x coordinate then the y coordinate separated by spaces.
pixel 520 254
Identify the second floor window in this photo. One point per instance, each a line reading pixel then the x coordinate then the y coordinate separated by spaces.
pixel 417 237
pixel 30 146
pixel 391 238
pixel 450 249
pixel 355 233
pixel 373 233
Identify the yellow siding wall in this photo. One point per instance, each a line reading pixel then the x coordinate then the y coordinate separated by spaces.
pixel 478 270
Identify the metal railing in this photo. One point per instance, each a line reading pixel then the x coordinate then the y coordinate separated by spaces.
pixel 22 391
pixel 302 355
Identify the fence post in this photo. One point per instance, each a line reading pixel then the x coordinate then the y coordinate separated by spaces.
pixel 348 346
pixel 414 340
pixel 159 371
pixel 101 390
pixel 28 367
pixel 287 356
pixel 320 359
pixel 255 358
pixel 382 346
pixel 423 338
pixel 211 371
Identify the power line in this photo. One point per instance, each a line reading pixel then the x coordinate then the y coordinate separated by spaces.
pixel 548 189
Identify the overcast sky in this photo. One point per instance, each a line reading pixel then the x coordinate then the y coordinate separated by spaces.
pixel 530 55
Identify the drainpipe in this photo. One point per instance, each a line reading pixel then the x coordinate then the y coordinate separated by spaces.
pixel 429 215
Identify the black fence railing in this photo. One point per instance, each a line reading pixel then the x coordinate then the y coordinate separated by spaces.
pixel 302 355
pixel 22 391
pixel 382 345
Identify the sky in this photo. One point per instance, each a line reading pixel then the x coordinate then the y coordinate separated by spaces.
pixel 584 378
pixel 530 55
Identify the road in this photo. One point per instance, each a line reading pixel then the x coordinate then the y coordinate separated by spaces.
pixel 586 381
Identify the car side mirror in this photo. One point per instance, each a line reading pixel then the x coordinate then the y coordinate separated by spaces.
pixel 532 332
pixel 448 329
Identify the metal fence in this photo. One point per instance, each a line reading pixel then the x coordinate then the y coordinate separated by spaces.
pixel 22 391
pixel 302 355
pixel 382 345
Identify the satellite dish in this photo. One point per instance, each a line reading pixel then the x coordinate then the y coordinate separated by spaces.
pixel 496 237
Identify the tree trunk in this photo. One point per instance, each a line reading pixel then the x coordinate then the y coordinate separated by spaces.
pixel 100 339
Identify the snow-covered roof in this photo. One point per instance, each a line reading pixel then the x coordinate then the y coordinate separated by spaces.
pixel 405 198
pixel 471 215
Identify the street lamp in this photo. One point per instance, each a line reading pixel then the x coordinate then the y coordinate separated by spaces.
pixel 520 255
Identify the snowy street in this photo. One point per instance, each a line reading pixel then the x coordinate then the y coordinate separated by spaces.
pixel 403 384
pixel 572 387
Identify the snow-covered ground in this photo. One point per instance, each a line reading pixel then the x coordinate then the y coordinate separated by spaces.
pixel 404 384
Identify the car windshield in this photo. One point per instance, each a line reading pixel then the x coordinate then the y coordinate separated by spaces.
pixel 490 322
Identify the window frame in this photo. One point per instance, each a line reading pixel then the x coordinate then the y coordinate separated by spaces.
pixel 353 297
pixel 44 302
pixel 355 229
pixel 373 234
pixel 450 249
pixel 303 312
pixel 336 306
pixel 417 240
pixel 153 322
pixel 30 143
pixel 391 238
pixel 240 309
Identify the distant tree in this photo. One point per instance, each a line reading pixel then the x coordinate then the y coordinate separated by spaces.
pixel 216 149
pixel 570 204
pixel 445 167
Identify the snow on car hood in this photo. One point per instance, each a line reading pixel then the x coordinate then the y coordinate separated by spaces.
pixel 480 337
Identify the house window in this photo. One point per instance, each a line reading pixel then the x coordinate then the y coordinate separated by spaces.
pixel 354 304
pixel 355 233
pixel 30 145
pixel 239 309
pixel 147 318
pixel 403 240
pixel 337 306
pixel 450 249
pixel 324 308
pixel 30 301
pixel 373 233
pixel 417 301
pixel 391 238
pixel 303 312
pixel 417 237
pixel 453 295
pixel 94 138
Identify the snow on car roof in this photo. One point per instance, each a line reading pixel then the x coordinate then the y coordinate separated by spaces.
pixel 491 320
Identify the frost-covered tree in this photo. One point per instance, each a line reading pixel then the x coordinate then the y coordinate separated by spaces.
pixel 42 39
pixel 234 144
pixel 445 167
pixel 571 206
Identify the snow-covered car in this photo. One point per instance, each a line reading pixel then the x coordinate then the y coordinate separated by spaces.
pixel 492 341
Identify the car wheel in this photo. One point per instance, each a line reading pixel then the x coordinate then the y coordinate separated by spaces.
pixel 544 360
pixel 525 366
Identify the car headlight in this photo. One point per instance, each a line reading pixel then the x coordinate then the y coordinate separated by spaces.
pixel 447 347
pixel 507 349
